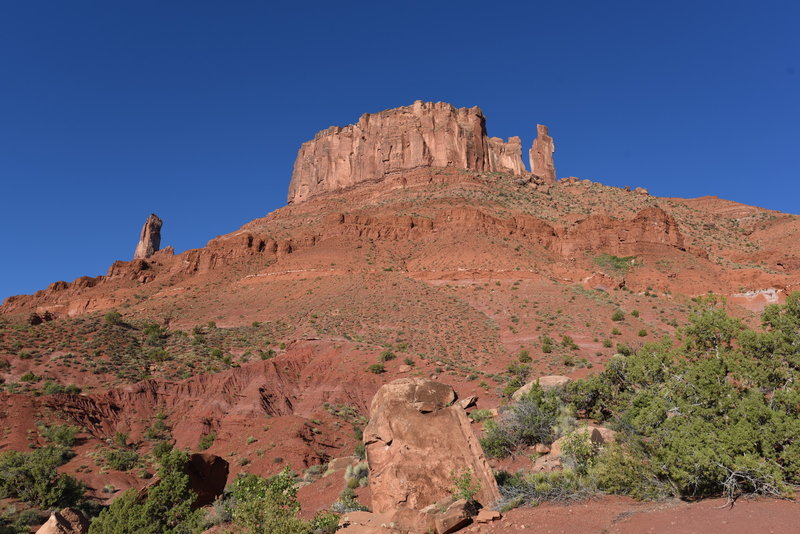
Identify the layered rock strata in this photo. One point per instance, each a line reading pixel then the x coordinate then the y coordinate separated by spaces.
pixel 424 134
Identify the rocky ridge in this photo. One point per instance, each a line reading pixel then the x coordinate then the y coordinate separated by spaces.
pixel 424 134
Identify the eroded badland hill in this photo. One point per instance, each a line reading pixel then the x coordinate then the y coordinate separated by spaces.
pixel 413 246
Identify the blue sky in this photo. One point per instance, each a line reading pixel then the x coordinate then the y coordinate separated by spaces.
pixel 194 110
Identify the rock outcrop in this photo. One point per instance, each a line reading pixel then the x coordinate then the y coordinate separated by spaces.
pixel 416 441
pixel 541 155
pixel 67 521
pixel 150 238
pixel 424 134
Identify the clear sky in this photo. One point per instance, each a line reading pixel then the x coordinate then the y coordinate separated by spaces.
pixel 194 110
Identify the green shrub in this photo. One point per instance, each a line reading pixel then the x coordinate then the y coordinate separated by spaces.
pixel 206 441
pixel 63 435
pixel 121 459
pixel 465 486
pixel 269 505
pixel 618 315
pixel 113 318
pixel 615 264
pixel 538 417
pixel 32 477
pixel 376 368
pixel 167 508
pixel 531 489
pixel 713 412
pixel 386 356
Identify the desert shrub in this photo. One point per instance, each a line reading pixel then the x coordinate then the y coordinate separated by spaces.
pixel 376 368
pixel 618 315
pixel 616 264
pixel 712 412
pixel 32 477
pixel 524 356
pixel 206 441
pixel 465 485
pixel 357 475
pixel 63 435
pixel 121 459
pixel 480 415
pixel 347 503
pixel 269 505
pixel 167 508
pixel 386 356
pixel 113 318
pixel 531 489
pixel 538 417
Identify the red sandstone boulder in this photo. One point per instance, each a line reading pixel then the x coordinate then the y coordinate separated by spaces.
pixel 545 382
pixel 67 521
pixel 416 442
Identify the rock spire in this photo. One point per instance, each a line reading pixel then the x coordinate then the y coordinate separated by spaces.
pixel 150 238
pixel 541 155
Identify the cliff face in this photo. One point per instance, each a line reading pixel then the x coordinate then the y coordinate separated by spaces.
pixel 423 134
pixel 149 239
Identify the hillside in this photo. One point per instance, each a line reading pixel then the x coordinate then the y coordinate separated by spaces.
pixel 263 339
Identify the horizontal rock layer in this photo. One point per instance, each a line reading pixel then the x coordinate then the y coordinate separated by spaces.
pixel 421 135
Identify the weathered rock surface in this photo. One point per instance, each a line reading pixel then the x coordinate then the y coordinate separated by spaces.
pixel 424 134
pixel 416 440
pixel 545 382
pixel 150 238
pixel 66 521
pixel 541 155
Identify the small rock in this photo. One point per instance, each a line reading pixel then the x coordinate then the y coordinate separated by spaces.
pixel 467 402
pixel 487 516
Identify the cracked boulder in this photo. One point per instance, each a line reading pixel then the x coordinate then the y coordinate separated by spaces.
pixel 417 441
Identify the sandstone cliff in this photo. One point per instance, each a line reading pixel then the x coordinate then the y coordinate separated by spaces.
pixel 421 135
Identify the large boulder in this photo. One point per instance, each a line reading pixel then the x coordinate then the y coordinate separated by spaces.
pixel 66 521
pixel 545 382
pixel 416 441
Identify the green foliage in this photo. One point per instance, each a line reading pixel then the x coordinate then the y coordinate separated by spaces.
pixel 465 486
pixel 538 417
pixel 261 505
pixel 376 368
pixel 206 441
pixel 167 509
pixel 121 459
pixel 113 318
pixel 618 315
pixel 386 356
pixel 32 477
pixel 534 488
pixel 480 415
pixel 63 435
pixel 615 264
pixel 715 412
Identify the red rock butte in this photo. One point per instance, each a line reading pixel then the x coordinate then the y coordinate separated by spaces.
pixel 424 134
